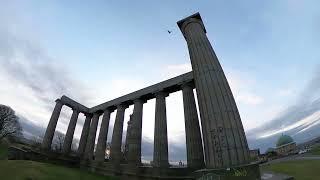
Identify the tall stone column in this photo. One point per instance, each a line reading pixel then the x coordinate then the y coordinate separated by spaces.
pixel 47 139
pixel 195 157
pixel 101 146
pixel 225 142
pixel 126 146
pixel 88 154
pixel 135 136
pixel 84 134
pixel 160 154
pixel 70 131
pixel 115 152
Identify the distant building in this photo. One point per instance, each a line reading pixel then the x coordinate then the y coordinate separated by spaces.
pixel 269 155
pixel 309 144
pixel 254 154
pixel 285 146
pixel 286 149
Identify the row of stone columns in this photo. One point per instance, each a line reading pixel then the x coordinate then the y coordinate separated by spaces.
pixel 134 132
pixel 224 139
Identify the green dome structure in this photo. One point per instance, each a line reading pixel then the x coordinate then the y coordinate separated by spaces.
pixel 284 139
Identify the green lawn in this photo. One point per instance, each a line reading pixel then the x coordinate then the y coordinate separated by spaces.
pixel 3 150
pixel 315 150
pixel 300 170
pixel 31 170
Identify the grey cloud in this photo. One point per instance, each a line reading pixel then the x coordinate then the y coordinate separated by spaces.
pixel 25 63
pixel 307 103
pixel 177 151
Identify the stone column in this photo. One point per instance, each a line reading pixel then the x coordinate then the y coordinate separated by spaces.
pixel 224 139
pixel 115 152
pixel 102 140
pixel 126 146
pixel 195 157
pixel 47 139
pixel 160 154
pixel 66 148
pixel 134 139
pixel 88 154
pixel 84 134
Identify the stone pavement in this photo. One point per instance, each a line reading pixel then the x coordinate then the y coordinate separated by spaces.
pixel 268 175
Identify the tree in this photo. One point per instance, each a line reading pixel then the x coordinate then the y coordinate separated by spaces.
pixel 35 142
pixel 57 143
pixel 9 123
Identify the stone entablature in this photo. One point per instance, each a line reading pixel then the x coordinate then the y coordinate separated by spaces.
pixel 169 86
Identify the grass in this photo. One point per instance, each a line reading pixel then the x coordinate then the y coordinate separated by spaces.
pixel 31 170
pixel 300 170
pixel 3 150
pixel 315 150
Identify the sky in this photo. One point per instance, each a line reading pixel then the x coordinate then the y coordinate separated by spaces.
pixel 95 51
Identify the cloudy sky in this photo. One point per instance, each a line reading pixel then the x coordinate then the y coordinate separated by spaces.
pixel 95 51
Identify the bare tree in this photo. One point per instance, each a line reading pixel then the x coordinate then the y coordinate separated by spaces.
pixel 57 142
pixel 35 142
pixel 74 145
pixel 9 124
pixel 108 149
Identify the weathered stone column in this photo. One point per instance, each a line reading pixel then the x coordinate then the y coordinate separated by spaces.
pixel 115 152
pixel 224 139
pixel 70 131
pixel 101 146
pixel 195 157
pixel 134 139
pixel 160 154
pixel 84 134
pixel 47 139
pixel 126 146
pixel 88 154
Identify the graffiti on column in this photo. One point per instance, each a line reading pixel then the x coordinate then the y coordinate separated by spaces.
pixel 218 142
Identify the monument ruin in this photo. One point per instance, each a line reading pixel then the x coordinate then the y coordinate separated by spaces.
pixel 224 141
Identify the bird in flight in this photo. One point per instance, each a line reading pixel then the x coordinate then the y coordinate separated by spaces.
pixel 169 31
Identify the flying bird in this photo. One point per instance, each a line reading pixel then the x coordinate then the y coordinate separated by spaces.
pixel 169 31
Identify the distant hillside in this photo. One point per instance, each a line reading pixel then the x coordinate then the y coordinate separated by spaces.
pixel 31 130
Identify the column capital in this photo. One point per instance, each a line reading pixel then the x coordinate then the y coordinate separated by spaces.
pixel 97 113
pixel 161 94
pixel 75 110
pixel 108 110
pixel 59 101
pixel 88 115
pixel 186 84
pixel 139 100
pixel 195 18
pixel 122 105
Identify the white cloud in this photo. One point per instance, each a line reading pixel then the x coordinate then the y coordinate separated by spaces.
pixel 287 92
pixel 305 123
pixel 174 70
pixel 249 99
